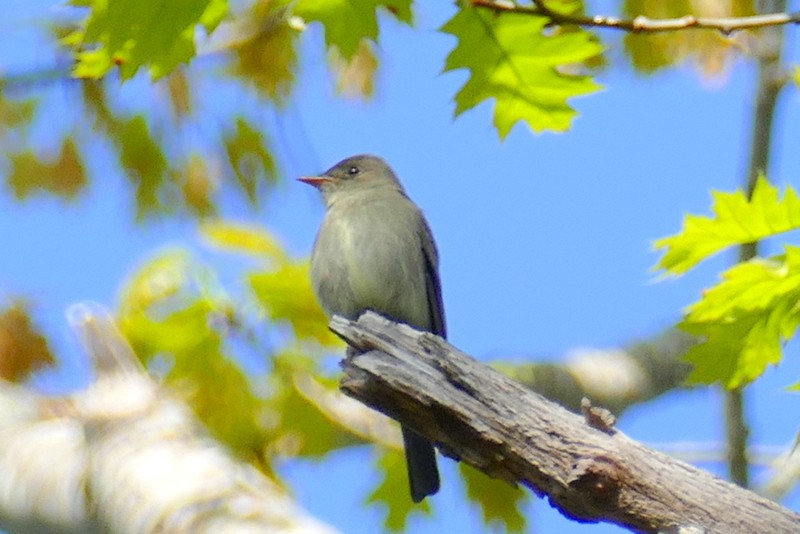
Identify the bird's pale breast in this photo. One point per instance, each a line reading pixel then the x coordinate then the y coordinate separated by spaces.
pixel 374 260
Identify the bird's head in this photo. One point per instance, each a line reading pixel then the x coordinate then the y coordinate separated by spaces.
pixel 357 173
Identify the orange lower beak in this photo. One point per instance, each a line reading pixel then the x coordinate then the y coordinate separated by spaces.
pixel 314 181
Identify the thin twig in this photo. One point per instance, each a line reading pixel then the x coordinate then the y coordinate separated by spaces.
pixel 642 24
pixel 770 83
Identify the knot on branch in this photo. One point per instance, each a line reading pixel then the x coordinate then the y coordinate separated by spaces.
pixel 598 417
pixel 598 481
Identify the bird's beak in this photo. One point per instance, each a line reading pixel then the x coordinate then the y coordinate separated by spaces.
pixel 314 181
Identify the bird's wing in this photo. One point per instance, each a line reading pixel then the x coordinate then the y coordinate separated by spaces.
pixel 432 284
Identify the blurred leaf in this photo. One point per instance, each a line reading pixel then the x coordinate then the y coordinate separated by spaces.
pixel 215 387
pixel 197 186
pixel 745 319
pixel 254 240
pixel 287 296
pixel 64 177
pixel 145 163
pixel 268 56
pixel 393 491
pixel 400 9
pixel 250 160
pixel 156 281
pixel 737 220
pixel 159 189
pixel 347 22
pixel 15 113
pixel 194 184
pixel 95 100
pixel 157 34
pixel 566 7
pixel 499 501
pixel 180 95
pixel 304 429
pixel 355 77
pixel 167 314
pixel 513 61
pixel 23 349
pixel 710 50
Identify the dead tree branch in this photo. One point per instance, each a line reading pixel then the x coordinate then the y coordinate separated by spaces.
pixel 477 415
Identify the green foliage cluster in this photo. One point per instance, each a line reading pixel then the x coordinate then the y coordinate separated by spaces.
pixel 711 52
pixel 747 317
pixel 130 34
pixel 186 327
pixel 513 61
pixel 529 67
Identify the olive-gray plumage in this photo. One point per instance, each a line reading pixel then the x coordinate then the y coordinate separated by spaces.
pixel 374 251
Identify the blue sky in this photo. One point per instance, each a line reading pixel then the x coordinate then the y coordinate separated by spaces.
pixel 545 240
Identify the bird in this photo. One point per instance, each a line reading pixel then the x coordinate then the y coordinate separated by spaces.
pixel 375 251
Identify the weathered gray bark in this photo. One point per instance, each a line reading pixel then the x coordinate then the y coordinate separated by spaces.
pixel 479 416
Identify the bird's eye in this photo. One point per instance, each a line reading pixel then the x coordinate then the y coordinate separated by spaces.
pixel 352 171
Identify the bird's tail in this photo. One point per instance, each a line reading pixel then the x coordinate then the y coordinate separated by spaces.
pixel 423 475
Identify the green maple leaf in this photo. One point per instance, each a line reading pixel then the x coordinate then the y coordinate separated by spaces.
pixel 253 240
pixel 710 51
pixel 169 316
pixel 346 22
pixel 499 501
pixel 393 491
pixel 745 319
pixel 286 294
pixel 144 162
pixel 268 58
pixel 511 60
pixel 736 221
pixel 249 158
pixel 157 34
pixel 64 177
pixel 303 425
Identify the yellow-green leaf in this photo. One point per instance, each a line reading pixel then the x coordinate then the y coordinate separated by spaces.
pixel 180 93
pixel 301 426
pixel 736 220
pixel 144 162
pixel 157 34
pixel 745 320
pixel 268 55
pixel 347 22
pixel 710 50
pixel 287 296
pixel 355 77
pixel 64 177
pixel 196 186
pixel 156 281
pixel 171 322
pixel 513 60
pixel 16 113
pixel 499 501
pixel 249 158
pixel 393 491
pixel 23 349
pixel 247 239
